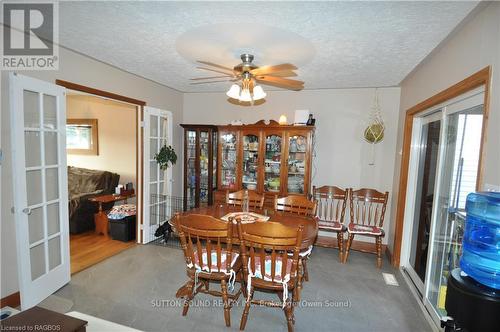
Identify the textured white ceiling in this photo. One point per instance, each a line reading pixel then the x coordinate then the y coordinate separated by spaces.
pixel 352 44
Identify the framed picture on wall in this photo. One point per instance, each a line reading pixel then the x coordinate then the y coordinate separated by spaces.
pixel 82 136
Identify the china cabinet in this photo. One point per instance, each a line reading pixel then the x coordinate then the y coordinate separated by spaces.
pixel 200 165
pixel 268 158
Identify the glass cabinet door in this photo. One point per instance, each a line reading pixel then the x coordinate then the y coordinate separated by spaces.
pixel 228 160
pixel 191 168
pixel 250 162
pixel 296 165
pixel 214 160
pixel 204 158
pixel 272 163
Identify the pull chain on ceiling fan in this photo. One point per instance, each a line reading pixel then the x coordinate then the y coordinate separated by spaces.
pixel 246 75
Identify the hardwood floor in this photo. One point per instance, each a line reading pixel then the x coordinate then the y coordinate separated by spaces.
pixel 88 248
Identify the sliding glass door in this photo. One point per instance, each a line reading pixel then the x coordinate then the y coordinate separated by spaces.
pixel 444 165
pixel 457 178
pixel 427 152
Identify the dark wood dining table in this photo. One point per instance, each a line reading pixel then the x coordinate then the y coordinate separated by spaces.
pixel 291 220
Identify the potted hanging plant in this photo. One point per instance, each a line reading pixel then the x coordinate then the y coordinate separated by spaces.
pixel 166 157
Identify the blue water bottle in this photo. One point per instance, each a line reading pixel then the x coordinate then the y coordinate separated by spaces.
pixel 481 243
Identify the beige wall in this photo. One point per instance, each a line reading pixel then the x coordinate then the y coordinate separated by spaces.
pixel 80 69
pixel 116 124
pixel 342 155
pixel 472 47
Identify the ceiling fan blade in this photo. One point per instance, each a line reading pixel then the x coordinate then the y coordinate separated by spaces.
pixel 280 80
pixel 194 83
pixel 287 73
pixel 217 71
pixel 281 83
pixel 215 65
pixel 209 77
pixel 272 69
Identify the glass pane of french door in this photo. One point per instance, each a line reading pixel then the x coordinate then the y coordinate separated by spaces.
pixel 42 182
pixel 158 137
pixel 427 169
pixel 457 178
pixel 250 162
pixel 154 170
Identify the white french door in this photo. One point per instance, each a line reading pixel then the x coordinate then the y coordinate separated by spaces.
pixel 157 183
pixel 443 169
pixel 38 137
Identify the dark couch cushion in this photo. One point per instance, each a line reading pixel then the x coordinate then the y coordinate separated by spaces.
pixel 83 184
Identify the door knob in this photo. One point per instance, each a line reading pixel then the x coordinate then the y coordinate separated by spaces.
pixel 27 211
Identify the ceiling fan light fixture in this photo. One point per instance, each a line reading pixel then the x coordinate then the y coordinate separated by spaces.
pixel 245 95
pixel 258 93
pixel 234 91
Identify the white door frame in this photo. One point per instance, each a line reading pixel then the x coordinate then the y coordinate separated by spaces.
pixel 146 202
pixel 418 122
pixel 34 291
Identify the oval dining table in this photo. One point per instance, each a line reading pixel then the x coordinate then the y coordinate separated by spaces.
pixel 218 211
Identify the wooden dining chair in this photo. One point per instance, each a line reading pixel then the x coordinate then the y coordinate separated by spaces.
pixel 302 206
pixel 367 211
pixel 255 200
pixel 295 204
pixel 210 256
pixel 332 203
pixel 270 258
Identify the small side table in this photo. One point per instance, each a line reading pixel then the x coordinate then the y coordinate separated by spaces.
pixel 101 218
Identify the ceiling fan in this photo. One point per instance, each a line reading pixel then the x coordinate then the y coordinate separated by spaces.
pixel 247 75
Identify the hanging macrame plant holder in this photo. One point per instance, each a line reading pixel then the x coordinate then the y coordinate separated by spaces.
pixel 374 132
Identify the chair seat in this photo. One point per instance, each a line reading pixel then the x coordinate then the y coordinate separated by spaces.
pixel 303 253
pixel 267 269
pixel 213 268
pixel 331 226
pixel 365 229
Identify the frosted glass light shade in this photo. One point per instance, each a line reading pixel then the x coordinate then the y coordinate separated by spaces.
pixel 258 93
pixel 234 91
pixel 283 120
pixel 245 95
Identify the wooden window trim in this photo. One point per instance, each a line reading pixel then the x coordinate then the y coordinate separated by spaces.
pixel 482 77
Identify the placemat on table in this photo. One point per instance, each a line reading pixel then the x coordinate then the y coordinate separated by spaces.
pixel 246 217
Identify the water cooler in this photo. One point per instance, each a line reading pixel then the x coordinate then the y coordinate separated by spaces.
pixel 473 294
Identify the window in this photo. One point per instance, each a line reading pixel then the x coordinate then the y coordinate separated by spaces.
pixel 81 136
